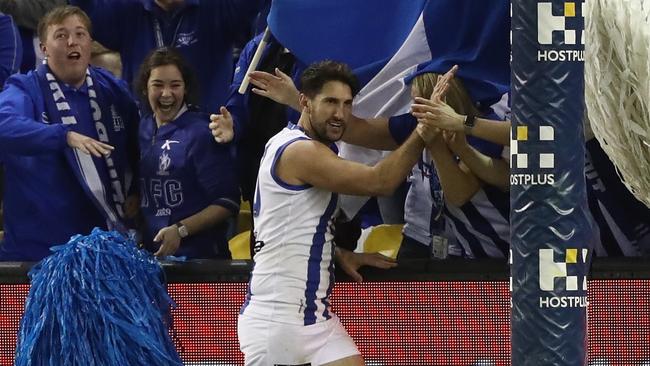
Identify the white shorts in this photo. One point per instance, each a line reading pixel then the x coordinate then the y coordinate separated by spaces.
pixel 267 343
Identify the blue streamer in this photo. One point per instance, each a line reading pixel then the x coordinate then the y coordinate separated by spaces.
pixel 97 300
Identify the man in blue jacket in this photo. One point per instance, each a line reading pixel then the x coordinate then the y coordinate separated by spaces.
pixel 202 30
pixel 10 48
pixel 10 56
pixel 255 118
pixel 68 139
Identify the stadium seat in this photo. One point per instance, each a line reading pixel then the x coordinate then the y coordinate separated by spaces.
pixel 245 206
pixel 384 239
pixel 243 221
pixel 240 245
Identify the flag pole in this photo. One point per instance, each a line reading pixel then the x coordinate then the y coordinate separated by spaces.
pixel 255 61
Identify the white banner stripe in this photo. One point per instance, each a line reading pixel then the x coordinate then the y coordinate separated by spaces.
pixel 386 95
pixel 91 177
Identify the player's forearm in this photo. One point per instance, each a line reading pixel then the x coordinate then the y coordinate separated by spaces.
pixel 371 134
pixel 392 171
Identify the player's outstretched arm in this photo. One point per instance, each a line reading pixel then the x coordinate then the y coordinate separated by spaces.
pixel 311 162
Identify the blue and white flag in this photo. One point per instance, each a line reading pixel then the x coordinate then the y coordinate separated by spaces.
pixel 364 34
pixel 385 41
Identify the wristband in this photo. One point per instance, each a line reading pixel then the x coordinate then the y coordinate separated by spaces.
pixel 470 121
pixel 182 230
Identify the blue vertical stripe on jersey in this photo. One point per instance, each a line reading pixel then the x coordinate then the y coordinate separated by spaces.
pixel 249 293
pixel 257 201
pixel 326 300
pixel 276 178
pixel 315 258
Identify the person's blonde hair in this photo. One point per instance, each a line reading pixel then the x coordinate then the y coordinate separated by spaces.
pixel 457 96
pixel 57 16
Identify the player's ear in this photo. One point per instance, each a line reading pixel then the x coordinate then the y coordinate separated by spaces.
pixel 304 101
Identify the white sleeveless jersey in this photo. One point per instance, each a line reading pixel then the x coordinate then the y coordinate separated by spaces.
pixel 294 269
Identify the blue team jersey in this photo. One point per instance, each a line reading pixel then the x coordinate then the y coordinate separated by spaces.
pixel 239 104
pixel 255 118
pixel 11 48
pixel 203 31
pixel 41 189
pixel 183 171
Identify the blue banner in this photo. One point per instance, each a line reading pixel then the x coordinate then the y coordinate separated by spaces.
pixel 364 34
pixel 551 230
pixel 385 41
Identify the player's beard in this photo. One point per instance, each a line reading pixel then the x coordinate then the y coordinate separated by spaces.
pixel 321 133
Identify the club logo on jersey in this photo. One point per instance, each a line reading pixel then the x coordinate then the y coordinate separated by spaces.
pixel 563 23
pixel 163 163
pixel 557 276
pixel 532 153
pixel 186 39
pixel 168 144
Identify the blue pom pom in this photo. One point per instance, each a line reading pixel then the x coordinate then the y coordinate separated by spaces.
pixel 97 300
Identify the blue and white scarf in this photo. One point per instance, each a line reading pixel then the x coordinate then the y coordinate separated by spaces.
pixel 100 178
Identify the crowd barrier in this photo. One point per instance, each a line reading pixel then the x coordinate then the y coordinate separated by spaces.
pixel 452 312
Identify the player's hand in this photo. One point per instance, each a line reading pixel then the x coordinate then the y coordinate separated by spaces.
pixel 88 145
pixel 169 240
pixel 279 87
pixel 350 262
pixel 221 126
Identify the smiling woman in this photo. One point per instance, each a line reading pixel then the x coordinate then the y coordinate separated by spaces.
pixel 165 67
pixel 166 93
pixel 187 181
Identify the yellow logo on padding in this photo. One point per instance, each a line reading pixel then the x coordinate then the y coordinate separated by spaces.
pixel 549 269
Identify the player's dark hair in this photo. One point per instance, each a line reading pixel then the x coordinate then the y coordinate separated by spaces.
pixel 319 73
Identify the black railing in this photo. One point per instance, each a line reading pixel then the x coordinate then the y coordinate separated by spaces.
pixel 216 271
